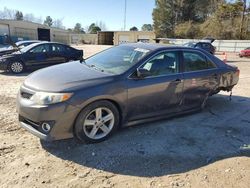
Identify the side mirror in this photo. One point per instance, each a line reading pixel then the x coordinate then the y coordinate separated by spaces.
pixel 142 73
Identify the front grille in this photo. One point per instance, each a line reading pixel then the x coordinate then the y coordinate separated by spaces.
pixel 26 95
pixel 35 125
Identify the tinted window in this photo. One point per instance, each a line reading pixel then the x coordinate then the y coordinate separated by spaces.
pixel 194 62
pixel 205 45
pixel 199 45
pixel 29 47
pixel 22 46
pixel 68 48
pixel 57 48
pixel 163 64
pixel 116 60
pixel 40 49
pixel 189 44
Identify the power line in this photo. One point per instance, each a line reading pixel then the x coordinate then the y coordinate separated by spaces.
pixel 125 15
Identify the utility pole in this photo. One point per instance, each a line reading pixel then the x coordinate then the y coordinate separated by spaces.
pixel 125 15
pixel 243 19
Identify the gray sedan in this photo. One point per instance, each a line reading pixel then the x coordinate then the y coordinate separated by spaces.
pixel 121 86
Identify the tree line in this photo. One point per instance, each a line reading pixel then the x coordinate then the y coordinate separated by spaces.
pixel 93 28
pixel 57 23
pixel 220 19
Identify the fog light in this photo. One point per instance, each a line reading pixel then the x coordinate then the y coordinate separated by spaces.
pixel 46 127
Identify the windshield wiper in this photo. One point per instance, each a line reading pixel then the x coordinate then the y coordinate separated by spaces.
pixel 82 61
pixel 95 67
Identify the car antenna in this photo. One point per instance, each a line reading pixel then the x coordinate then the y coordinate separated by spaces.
pixel 82 60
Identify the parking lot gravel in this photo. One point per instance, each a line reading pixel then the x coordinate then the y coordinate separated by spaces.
pixel 206 149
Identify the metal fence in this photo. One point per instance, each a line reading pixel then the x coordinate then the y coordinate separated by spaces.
pixel 221 45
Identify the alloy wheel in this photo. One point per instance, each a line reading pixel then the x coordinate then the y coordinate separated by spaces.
pixel 16 67
pixel 99 123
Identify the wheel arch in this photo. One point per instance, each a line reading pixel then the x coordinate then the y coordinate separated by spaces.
pixel 114 102
pixel 16 60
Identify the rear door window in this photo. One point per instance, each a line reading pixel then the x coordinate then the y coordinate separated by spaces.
pixel 58 48
pixel 195 62
pixel 43 48
pixel 205 45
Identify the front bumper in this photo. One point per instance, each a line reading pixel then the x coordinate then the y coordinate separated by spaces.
pixel 61 117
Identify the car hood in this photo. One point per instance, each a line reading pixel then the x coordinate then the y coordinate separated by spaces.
pixel 66 77
pixel 5 49
pixel 11 54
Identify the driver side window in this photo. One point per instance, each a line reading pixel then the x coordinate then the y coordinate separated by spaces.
pixel 165 63
pixel 40 49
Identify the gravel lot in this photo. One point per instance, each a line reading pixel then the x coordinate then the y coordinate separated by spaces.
pixel 206 149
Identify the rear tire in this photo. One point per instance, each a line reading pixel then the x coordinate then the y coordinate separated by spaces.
pixel 96 122
pixel 16 67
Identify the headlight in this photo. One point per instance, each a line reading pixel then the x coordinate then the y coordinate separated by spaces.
pixel 44 98
pixel 3 60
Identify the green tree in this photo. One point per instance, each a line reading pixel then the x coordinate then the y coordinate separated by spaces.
pixel 147 27
pixel 226 22
pixel 78 28
pixel 133 29
pixel 164 18
pixel 188 30
pixel 48 21
pixel 19 15
pixel 93 28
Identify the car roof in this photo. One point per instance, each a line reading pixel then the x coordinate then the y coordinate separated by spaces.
pixel 156 47
pixel 26 41
pixel 46 42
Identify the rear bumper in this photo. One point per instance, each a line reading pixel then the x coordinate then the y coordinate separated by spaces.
pixel 59 116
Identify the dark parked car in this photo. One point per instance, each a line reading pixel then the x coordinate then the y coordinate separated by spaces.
pixel 245 53
pixel 18 46
pixel 203 45
pixel 39 55
pixel 124 85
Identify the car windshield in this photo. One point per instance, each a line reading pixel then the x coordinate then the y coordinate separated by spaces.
pixel 27 48
pixel 189 44
pixel 116 60
pixel 11 47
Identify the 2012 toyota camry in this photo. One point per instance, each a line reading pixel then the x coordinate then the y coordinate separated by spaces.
pixel 121 86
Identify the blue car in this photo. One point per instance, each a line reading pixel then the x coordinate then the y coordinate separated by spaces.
pixel 121 86
pixel 39 55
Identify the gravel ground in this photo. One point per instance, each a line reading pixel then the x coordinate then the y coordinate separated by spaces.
pixel 206 149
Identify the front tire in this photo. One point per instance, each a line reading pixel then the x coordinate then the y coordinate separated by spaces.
pixel 16 67
pixel 97 122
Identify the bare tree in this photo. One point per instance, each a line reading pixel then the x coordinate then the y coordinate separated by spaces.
pixel 29 17
pixel 101 25
pixel 7 13
pixel 58 23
